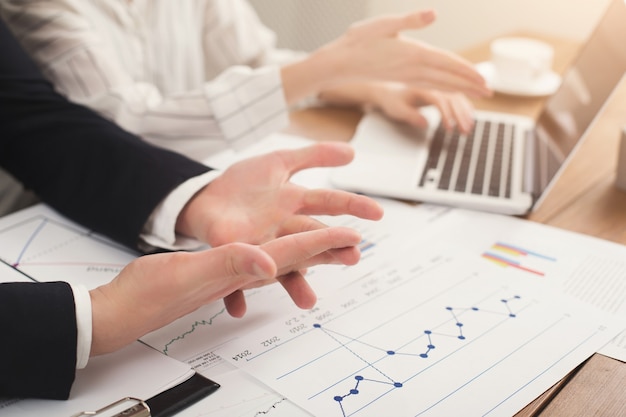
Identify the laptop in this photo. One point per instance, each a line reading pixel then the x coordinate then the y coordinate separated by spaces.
pixel 508 163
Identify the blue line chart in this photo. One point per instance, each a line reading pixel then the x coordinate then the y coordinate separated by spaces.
pixel 430 344
pixel 437 336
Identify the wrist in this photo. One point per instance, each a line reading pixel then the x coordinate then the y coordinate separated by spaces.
pixel 194 219
pixel 105 334
pixel 320 70
pixel 116 321
pixel 363 94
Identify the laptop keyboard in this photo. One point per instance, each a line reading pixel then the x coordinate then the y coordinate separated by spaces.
pixel 477 163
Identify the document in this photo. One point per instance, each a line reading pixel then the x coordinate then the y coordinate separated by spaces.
pixel 586 268
pixel 41 244
pixel 444 330
pixel 10 274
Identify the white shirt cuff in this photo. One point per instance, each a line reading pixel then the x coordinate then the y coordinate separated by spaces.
pixel 160 229
pixel 248 104
pixel 82 302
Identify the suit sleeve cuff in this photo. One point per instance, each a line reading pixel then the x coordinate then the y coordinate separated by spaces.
pixel 160 229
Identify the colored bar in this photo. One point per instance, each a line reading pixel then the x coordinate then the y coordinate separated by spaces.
pixel 503 262
pixel 513 249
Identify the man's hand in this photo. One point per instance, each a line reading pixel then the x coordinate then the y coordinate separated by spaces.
pixel 155 290
pixel 253 201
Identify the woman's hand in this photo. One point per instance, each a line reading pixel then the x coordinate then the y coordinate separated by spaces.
pixel 376 50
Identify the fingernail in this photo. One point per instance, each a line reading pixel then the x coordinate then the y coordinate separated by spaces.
pixel 259 272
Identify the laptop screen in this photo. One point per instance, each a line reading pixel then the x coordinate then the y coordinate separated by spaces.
pixel 586 86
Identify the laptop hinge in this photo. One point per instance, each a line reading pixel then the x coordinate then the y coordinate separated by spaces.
pixel 529 184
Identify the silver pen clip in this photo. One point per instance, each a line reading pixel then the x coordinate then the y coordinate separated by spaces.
pixel 140 409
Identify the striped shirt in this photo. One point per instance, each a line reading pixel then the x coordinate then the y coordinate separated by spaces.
pixel 194 76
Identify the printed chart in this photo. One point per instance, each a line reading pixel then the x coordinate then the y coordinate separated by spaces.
pixel 193 338
pixel 438 338
pixel 510 256
pixel 46 247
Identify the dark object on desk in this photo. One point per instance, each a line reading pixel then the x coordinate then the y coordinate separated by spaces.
pixel 165 404
pixel 177 398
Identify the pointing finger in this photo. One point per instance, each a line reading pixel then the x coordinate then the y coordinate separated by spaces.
pixel 391 25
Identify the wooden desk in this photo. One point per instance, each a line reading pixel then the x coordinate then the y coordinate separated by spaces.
pixel 583 200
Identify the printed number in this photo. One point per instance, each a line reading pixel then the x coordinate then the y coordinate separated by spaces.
pixel 291 321
pixel 323 316
pixel 298 328
pixel 349 303
pixel 269 342
pixel 242 355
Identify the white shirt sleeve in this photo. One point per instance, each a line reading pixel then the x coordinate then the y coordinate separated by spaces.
pixel 159 230
pixel 82 302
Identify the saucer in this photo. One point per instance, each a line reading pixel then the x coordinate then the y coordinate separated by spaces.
pixel 544 86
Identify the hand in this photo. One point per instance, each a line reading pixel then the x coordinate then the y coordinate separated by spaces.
pixel 155 290
pixel 253 201
pixel 401 102
pixel 374 50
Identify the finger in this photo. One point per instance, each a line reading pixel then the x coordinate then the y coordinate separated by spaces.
pixel 445 80
pixel 414 117
pixel 340 256
pixel 445 70
pixel 464 114
pixel 298 289
pixel 408 111
pixel 447 117
pixel 244 262
pixel 296 249
pixel 231 266
pixel 299 224
pixel 337 202
pixel 391 25
pixel 323 154
pixel 235 304
pixel 333 245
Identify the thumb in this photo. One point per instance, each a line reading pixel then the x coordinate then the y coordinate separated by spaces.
pixel 388 26
pixel 322 154
pixel 242 261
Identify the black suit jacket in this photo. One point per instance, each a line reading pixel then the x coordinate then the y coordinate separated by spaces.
pixel 91 171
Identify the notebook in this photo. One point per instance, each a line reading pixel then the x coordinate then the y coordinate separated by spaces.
pixel 508 163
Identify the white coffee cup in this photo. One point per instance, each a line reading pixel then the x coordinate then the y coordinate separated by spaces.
pixel 520 62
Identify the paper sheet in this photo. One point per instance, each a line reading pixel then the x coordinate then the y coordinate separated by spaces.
pixel 441 336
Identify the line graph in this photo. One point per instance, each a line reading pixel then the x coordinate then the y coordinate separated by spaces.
pixel 454 331
pixel 428 339
pixel 192 329
pixel 45 246
pixel 192 337
pixel 379 370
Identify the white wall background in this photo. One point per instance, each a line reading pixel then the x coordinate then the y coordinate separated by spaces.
pixel 305 24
